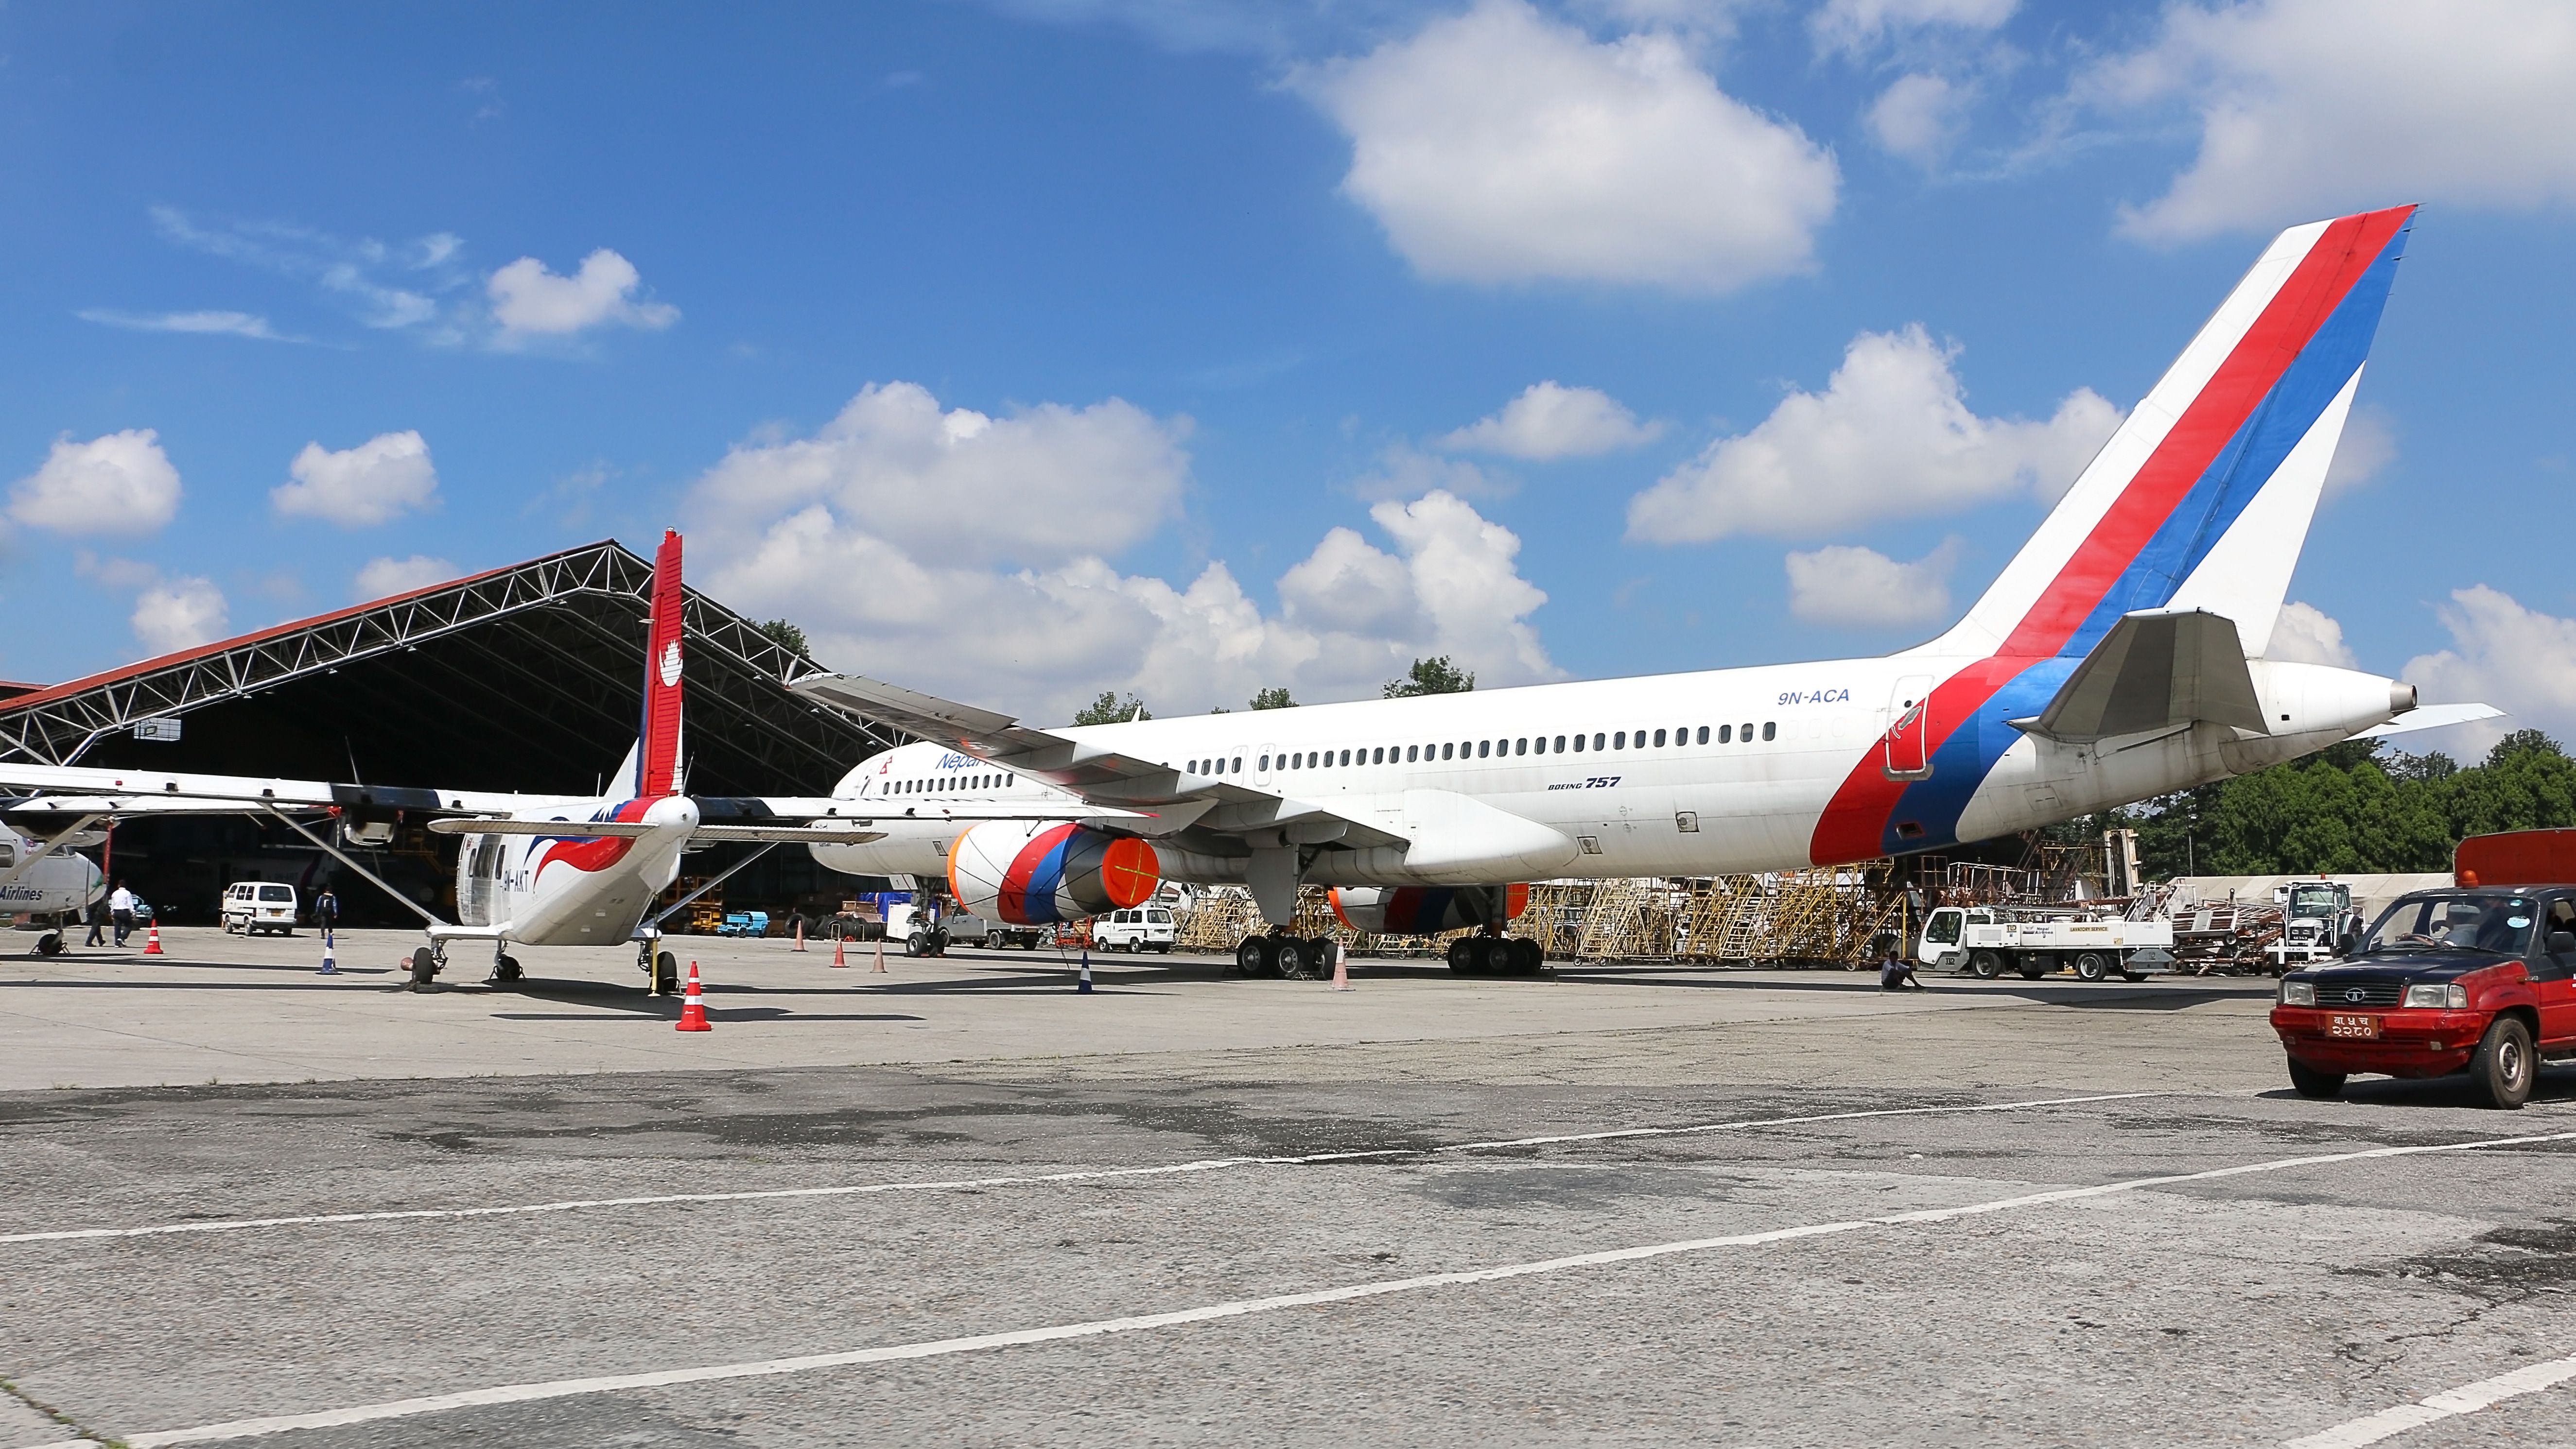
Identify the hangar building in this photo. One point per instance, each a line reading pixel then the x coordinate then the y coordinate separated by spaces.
pixel 523 678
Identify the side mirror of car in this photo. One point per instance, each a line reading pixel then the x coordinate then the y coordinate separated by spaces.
pixel 2562 943
pixel 2347 943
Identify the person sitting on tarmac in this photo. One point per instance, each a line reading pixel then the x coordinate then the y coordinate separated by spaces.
pixel 1895 973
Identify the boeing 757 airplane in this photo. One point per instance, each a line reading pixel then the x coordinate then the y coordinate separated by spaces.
pixel 2120 655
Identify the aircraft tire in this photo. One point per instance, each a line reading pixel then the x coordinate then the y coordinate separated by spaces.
pixel 50 944
pixel 1250 959
pixel 506 969
pixel 424 965
pixel 1462 956
pixel 666 973
pixel 1532 957
pixel 1291 957
pixel 916 944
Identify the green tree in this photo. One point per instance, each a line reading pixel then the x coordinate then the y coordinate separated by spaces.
pixel 1110 709
pixel 1273 698
pixel 788 637
pixel 1430 676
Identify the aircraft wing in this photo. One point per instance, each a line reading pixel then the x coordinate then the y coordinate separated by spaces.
pixel 141 792
pixel 635 829
pixel 1159 798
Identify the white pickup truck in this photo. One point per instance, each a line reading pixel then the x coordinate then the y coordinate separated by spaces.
pixel 1987 941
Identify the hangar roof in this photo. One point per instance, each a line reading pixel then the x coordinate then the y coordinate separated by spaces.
pixel 524 678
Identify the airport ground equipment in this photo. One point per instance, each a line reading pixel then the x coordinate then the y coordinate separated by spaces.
pixel 2094 942
pixel 2318 923
pixel 744 923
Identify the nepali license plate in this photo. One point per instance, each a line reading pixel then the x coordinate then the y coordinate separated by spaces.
pixel 2357 1028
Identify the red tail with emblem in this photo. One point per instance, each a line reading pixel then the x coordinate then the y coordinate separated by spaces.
pixel 657 742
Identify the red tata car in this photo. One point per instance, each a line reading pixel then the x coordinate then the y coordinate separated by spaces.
pixel 2480 979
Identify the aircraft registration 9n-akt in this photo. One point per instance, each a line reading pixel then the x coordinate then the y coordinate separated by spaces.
pixel 2120 655
pixel 535 870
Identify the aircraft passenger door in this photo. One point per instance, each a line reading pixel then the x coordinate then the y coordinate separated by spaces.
pixel 1908 742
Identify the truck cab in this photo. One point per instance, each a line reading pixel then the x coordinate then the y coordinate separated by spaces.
pixel 2317 923
pixel 2475 979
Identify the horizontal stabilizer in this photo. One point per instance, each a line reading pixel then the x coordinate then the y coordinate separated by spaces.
pixel 2432 717
pixel 2156 669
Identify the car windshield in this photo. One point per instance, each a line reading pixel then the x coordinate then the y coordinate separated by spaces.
pixel 2313 901
pixel 2481 922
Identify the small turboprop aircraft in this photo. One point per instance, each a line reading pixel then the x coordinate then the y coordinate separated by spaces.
pixel 537 870
pixel 42 880
pixel 2120 655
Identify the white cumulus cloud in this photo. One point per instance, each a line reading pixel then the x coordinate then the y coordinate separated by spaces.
pixel 1549 420
pixel 375 482
pixel 970 554
pixel 180 613
pixel 2306 634
pixel 1499 145
pixel 1918 116
pixel 529 301
pixel 1891 435
pixel 1863 588
pixel 2310 107
pixel 120 483
pixel 383 578
pixel 2368 444
pixel 1039 486
pixel 2505 654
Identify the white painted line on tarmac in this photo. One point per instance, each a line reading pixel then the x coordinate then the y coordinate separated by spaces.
pixel 1242 1307
pixel 2449 1404
pixel 1209 1164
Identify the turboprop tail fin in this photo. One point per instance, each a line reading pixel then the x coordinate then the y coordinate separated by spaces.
pixel 651 769
pixel 2203 497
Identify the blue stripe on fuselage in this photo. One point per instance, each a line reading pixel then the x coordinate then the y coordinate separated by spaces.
pixel 1964 760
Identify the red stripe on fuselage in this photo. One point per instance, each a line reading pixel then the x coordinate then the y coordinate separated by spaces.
pixel 1854 825
pixel 597 853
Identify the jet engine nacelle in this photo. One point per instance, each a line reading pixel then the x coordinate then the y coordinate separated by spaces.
pixel 1426 910
pixel 1030 873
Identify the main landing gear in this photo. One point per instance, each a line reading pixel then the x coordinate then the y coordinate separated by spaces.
pixel 505 968
pixel 1496 956
pixel 1282 956
pixel 659 966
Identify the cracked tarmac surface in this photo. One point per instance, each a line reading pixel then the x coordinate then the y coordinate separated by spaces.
pixel 2235 1310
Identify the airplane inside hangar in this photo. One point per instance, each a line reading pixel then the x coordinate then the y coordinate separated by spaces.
pixel 519 678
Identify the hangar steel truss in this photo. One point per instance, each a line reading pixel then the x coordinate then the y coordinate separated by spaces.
pixel 563 590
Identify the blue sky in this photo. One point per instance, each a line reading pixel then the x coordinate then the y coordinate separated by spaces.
pixel 1023 350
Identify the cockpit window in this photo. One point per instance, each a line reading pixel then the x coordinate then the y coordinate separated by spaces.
pixel 2487 921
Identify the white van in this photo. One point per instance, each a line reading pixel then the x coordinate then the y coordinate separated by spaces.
pixel 253 906
pixel 1145 928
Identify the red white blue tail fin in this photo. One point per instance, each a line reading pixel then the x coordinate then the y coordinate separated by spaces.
pixel 653 766
pixel 2203 497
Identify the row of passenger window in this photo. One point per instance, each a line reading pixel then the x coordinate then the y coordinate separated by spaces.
pixel 956 782
pixel 1605 741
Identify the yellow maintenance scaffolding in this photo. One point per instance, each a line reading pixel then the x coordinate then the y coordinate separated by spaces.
pixel 1827 916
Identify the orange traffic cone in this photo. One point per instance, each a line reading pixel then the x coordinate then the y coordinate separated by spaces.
pixel 880 955
pixel 800 933
pixel 1341 966
pixel 837 958
pixel 693 1009
pixel 152 943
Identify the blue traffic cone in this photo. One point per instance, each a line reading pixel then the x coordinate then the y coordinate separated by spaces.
pixel 1084 985
pixel 329 968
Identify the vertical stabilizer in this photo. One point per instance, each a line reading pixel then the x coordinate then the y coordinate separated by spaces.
pixel 656 758
pixel 2203 497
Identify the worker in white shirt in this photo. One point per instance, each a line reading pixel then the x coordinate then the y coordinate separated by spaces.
pixel 120 909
